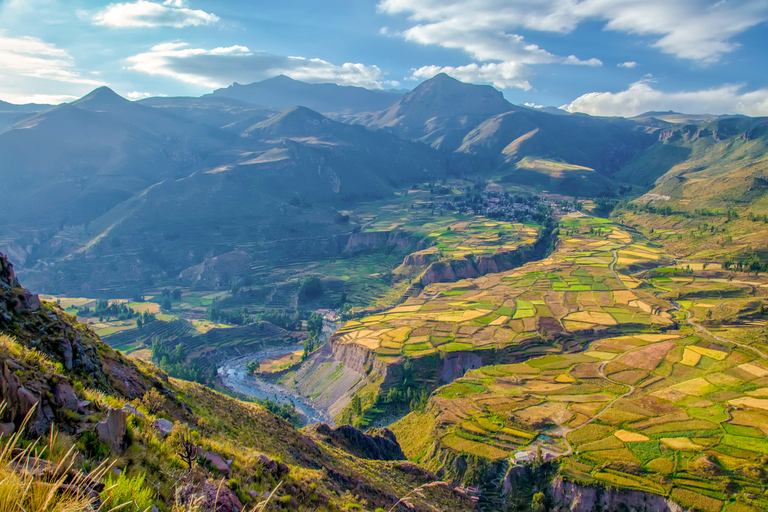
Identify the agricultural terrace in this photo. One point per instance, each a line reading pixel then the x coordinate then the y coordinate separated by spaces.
pixel 450 232
pixel 682 413
pixel 191 305
pixel 573 290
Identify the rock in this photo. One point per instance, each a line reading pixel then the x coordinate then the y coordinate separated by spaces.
pixel 212 497
pixel 64 396
pixel 163 426
pixel 570 497
pixel 132 410
pixel 272 467
pixel 217 462
pixel 7 429
pixel 82 406
pixel 378 444
pixel 112 430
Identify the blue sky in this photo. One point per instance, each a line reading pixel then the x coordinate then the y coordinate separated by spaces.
pixel 603 57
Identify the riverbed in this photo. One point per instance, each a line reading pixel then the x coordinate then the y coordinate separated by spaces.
pixel 234 376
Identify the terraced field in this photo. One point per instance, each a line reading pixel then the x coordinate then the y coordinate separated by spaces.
pixel 572 291
pixel 664 397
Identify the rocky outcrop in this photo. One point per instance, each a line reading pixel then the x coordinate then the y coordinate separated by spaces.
pixel 21 400
pixel 456 364
pixel 376 444
pixel 271 467
pixel 112 430
pixel 46 328
pixel 210 497
pixel 570 497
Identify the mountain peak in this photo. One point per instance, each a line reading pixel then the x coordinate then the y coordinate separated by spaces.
pixel 101 98
pixel 294 121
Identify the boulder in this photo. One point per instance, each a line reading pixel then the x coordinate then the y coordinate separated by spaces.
pixel 212 497
pixel 272 467
pixel 163 426
pixel 112 430
pixel 217 462
pixel 64 396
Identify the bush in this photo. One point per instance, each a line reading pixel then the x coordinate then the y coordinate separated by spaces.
pixel 123 489
pixel 311 289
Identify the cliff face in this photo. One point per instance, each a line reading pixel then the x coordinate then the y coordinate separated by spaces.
pixel 570 497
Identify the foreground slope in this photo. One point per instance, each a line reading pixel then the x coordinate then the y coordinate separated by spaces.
pixel 57 363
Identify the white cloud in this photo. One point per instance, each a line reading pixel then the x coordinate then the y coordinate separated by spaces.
pixel 218 67
pixel 137 95
pixel 42 99
pixel 532 105
pixel 700 30
pixel 504 75
pixel 28 63
pixel 642 97
pixel 171 13
pixel 630 64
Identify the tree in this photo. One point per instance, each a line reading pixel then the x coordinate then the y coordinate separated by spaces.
pixel 311 289
pixel 315 324
pixel 184 442
pixel 176 294
pixel 166 303
pixel 538 504
pixel 252 367
pixel 248 281
pixel 153 401
pixel 357 405
pixel 139 323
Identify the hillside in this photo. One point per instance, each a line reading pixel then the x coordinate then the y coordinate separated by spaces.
pixel 694 175
pixel 59 363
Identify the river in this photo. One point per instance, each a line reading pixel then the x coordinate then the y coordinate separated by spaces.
pixel 234 376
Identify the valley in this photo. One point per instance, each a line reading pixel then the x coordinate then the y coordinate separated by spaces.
pixel 517 301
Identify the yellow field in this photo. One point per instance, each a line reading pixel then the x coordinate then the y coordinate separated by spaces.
pixel 630 437
pixel 754 369
pixel 757 403
pixel 681 443
pixel 690 358
pixel 714 354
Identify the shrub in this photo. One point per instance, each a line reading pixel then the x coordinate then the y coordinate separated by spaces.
pixel 124 489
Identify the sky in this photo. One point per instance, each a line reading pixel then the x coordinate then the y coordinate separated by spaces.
pixel 601 57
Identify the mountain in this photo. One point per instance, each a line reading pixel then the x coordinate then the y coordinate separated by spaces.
pixel 717 163
pixel 214 111
pixel 280 182
pixel 670 116
pixel 569 154
pixel 11 113
pixel 439 112
pixel 281 92
pixel 77 160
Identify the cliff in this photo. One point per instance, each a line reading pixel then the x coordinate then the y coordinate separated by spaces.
pixel 570 497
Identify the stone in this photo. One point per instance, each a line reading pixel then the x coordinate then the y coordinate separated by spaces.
pixel 217 462
pixel 163 426
pixel 65 397
pixel 132 410
pixel 213 497
pixel 112 430
pixel 7 429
